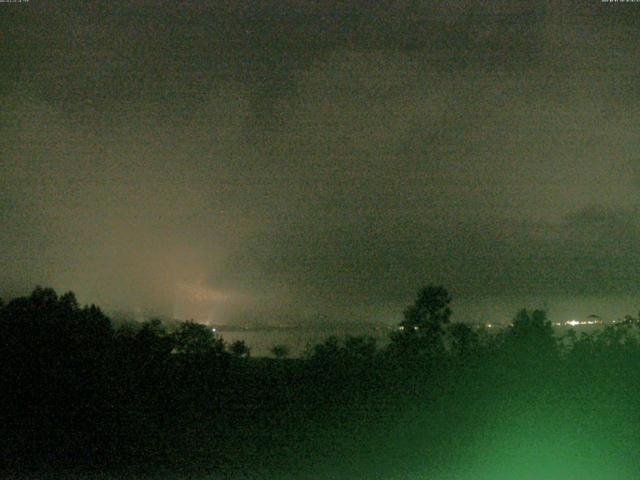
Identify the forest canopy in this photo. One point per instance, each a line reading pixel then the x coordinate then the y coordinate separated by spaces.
pixel 81 393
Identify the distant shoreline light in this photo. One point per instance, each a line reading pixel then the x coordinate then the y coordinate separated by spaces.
pixel 590 321
pixel 577 323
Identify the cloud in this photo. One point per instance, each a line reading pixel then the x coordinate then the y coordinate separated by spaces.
pixel 318 158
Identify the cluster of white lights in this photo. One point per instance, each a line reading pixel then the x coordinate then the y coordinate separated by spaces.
pixel 575 323
pixel 571 323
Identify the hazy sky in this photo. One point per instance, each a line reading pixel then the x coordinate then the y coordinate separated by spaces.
pixel 300 160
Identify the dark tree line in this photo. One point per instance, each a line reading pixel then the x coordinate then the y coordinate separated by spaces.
pixel 78 393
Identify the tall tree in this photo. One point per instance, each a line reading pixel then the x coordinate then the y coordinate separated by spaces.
pixel 422 329
pixel 194 338
pixel 531 340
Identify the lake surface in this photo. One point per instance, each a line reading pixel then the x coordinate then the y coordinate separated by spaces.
pixel 299 339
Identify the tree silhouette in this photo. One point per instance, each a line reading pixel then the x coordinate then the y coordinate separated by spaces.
pixel 194 338
pixel 533 328
pixel 422 329
pixel 280 351
pixel 530 341
pixel 239 349
pixel 463 339
pixel 54 363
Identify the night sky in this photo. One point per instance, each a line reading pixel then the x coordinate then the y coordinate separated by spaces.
pixel 298 160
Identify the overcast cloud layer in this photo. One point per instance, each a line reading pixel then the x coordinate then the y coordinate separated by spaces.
pixel 300 160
